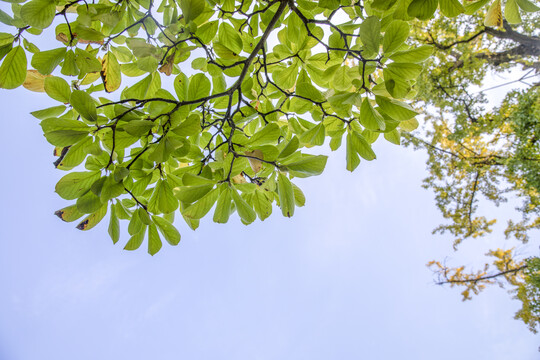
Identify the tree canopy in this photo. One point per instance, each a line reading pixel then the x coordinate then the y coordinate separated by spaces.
pixel 478 152
pixel 181 107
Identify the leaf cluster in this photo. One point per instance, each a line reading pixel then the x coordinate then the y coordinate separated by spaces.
pixel 192 105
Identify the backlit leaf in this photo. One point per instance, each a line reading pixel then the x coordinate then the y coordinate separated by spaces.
pixel 110 72
pixel 167 230
pixel 38 13
pixel 46 61
pixel 13 69
pixel 494 15
pixel 93 219
pixel 83 104
pixel 286 195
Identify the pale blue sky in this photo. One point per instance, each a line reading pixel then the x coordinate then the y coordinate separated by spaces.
pixel 345 278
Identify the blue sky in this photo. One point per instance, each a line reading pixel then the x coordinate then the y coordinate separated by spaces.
pixel 344 278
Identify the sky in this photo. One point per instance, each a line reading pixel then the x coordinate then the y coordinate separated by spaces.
pixel 344 278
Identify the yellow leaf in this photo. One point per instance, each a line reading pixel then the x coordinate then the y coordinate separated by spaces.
pixel 239 179
pixel 35 81
pixel 494 15
pixel 256 165
pixel 110 72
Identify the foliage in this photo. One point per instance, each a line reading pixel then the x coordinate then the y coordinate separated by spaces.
pixel 268 81
pixel 479 152
pixel 528 292
pixel 194 105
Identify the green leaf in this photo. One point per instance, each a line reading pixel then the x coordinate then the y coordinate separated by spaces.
pixel 286 77
pixel 527 6
pixel 189 127
pixel 88 203
pixel 299 197
pixel 309 92
pixel 416 55
pixel 38 13
pixel 511 12
pixel 395 109
pixel 63 132
pixel 162 199
pixel 4 50
pixel 230 38
pixel 75 184
pixel 58 89
pixel 13 69
pixel 422 9
pixel 148 64
pixel 162 151
pixel 309 165
pixel 245 211
pixel 341 80
pixel 69 214
pixel 5 18
pixel 261 204
pixel 139 90
pixel 181 86
pixel 138 127
pixel 199 87
pixel 404 71
pixel 65 137
pixel 46 61
pixel 206 32
pixel 290 148
pixel 409 125
pixel 75 155
pixel 329 4
pixel 6 39
pixel 69 67
pixel 93 219
pixel 88 34
pixel 199 209
pixel 223 205
pixel 396 33
pixel 111 189
pixel 120 173
pixel 267 135
pixel 370 118
pixel 135 223
pixel 154 241
pixel 84 105
pixel 314 136
pixel 167 229
pixel 286 195
pixel 370 33
pixel 195 180
pixel 361 146
pixel 190 194
pixel 451 8
pixel 383 4
pixel 353 160
pixel 114 225
pixel 191 9
pixel 87 63
pixel 475 6
pixel 136 240
pixel 131 70
pixel 53 124
pixel 54 111
pixel 296 31
pixel 393 136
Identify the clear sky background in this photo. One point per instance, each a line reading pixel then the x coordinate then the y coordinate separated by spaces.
pixel 345 278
